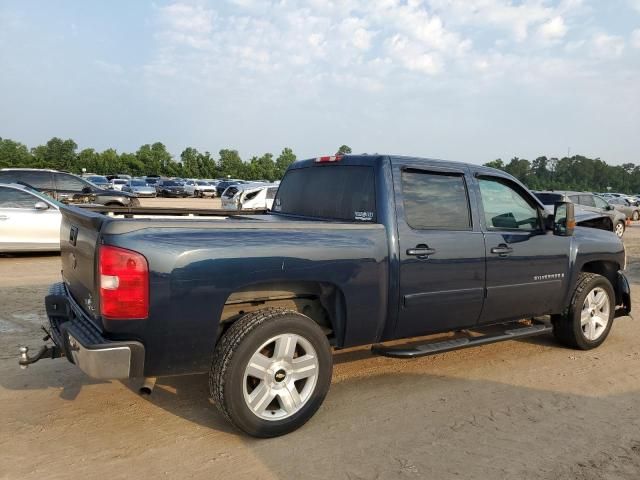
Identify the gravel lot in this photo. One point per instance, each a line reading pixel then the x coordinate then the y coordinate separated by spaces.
pixel 515 410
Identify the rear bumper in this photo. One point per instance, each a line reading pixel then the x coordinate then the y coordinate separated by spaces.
pixel 83 343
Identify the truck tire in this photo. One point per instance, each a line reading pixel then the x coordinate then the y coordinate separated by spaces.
pixel 271 371
pixel 588 320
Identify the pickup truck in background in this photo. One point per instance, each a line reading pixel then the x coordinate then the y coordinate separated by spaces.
pixel 358 250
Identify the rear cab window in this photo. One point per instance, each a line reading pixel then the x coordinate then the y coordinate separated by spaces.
pixel 333 192
pixel 435 201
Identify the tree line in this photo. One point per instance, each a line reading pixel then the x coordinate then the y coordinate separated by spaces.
pixel 568 173
pixel 149 159
pixel 572 173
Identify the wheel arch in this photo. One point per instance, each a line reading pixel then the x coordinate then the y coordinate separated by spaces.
pixel 323 302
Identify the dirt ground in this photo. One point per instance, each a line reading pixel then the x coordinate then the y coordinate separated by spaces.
pixel 515 410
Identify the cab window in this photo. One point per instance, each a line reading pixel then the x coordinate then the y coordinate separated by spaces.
pixel 505 208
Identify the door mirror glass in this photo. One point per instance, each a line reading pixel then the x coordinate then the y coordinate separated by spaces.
pixel 41 206
pixel 86 189
pixel 564 220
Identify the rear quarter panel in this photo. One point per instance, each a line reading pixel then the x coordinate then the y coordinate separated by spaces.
pixel 194 270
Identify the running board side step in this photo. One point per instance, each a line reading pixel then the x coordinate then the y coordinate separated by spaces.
pixel 431 348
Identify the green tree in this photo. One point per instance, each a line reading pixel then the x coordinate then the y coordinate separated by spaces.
pixel 14 154
pixel 286 158
pixel 56 153
pixel 344 150
pixel 497 163
pixel 230 164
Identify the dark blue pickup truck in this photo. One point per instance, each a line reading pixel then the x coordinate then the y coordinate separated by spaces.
pixel 358 250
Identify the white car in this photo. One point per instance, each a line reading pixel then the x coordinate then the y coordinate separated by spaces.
pixel 249 196
pixel 199 188
pixel 118 184
pixel 29 220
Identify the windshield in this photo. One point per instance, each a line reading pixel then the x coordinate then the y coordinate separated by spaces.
pixel 120 182
pixel 138 183
pixel 97 180
pixel 339 192
pixel 171 183
pixel 549 198
pixel 203 183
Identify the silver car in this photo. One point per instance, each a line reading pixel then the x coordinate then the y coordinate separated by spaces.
pixel 140 188
pixel 29 220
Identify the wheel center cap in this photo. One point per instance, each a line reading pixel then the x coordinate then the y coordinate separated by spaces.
pixel 280 375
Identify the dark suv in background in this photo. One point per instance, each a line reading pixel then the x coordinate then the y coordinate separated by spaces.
pixel 586 201
pixel 66 187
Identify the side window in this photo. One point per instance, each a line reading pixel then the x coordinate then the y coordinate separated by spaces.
pixel 600 202
pixel 575 198
pixel 435 201
pixel 587 200
pixel 69 183
pixel 505 208
pixel 12 198
pixel 40 180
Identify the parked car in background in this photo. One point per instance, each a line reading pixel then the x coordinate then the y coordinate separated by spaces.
pixel 249 196
pixel 199 188
pixel 170 188
pixel 222 186
pixel 29 220
pixel 589 202
pixel 152 179
pixel 98 180
pixel 139 188
pixel 66 187
pixel 117 184
pixel 623 205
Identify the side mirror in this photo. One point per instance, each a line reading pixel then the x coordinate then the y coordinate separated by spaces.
pixel 564 219
pixel 86 190
pixel 609 207
pixel 41 206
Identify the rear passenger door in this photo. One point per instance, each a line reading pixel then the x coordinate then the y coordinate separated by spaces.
pixel 442 255
pixel 69 186
pixel 527 266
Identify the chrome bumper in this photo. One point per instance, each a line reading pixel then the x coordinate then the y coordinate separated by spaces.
pixel 83 343
pixel 103 362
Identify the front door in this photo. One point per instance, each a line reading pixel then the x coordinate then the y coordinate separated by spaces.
pixel 442 255
pixel 527 266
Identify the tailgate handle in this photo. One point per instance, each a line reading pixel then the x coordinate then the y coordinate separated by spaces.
pixel 73 236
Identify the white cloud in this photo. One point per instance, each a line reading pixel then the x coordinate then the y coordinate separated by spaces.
pixel 606 47
pixel 552 30
pixel 635 38
pixel 409 54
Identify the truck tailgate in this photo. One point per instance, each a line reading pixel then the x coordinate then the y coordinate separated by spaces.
pixel 79 236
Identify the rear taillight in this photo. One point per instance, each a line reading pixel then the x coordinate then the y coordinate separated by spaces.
pixel 124 284
pixel 328 159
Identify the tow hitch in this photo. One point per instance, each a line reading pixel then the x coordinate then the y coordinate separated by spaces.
pixel 44 352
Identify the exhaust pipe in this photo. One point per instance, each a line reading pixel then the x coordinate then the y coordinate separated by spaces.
pixel 147 386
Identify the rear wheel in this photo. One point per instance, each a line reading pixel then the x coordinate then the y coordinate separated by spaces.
pixel 589 318
pixel 635 216
pixel 271 372
pixel 619 229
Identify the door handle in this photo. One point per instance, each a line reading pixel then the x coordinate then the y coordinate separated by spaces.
pixel 421 251
pixel 503 250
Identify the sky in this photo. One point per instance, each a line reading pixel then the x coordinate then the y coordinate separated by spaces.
pixel 467 80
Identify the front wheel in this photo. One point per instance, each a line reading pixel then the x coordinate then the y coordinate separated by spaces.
pixel 588 320
pixel 271 372
pixel 619 229
pixel 635 216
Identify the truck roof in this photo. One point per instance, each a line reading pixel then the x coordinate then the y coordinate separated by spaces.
pixel 376 158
